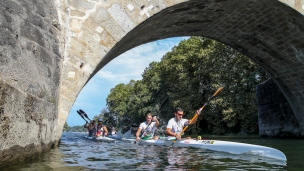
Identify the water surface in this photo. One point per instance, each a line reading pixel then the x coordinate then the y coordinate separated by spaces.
pixel 77 153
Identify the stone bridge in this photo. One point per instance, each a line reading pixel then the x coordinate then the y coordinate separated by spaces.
pixel 50 49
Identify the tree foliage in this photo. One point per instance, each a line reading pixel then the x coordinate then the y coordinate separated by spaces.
pixel 66 127
pixel 189 75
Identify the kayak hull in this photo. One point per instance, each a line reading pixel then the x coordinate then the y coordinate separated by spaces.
pixel 221 146
pixel 131 140
pixel 101 138
pixel 232 147
pixel 116 137
pixel 161 141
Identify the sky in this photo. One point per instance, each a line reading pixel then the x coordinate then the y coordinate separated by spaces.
pixel 129 65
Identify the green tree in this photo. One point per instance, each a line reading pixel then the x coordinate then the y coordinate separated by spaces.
pixel 117 100
pixel 66 127
pixel 189 75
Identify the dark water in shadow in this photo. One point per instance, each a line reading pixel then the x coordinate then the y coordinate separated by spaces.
pixel 77 153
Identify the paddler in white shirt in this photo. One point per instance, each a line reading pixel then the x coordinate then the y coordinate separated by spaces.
pixel 148 127
pixel 176 124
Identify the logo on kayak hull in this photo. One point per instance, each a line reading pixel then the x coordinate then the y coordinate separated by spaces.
pixel 206 141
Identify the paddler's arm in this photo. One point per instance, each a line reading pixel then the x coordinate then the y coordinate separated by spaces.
pixel 193 122
pixel 156 121
pixel 105 131
pixel 173 134
pixel 137 134
pixel 198 112
pixel 86 124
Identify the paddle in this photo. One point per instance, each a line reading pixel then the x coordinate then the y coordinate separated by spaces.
pixel 197 113
pixel 81 115
pixel 84 114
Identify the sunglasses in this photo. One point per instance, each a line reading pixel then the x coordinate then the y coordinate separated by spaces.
pixel 180 114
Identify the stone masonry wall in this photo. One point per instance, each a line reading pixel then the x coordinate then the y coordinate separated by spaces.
pixel 30 67
pixel 275 116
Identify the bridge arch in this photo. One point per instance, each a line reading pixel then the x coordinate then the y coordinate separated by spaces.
pixel 269 32
pixel 48 57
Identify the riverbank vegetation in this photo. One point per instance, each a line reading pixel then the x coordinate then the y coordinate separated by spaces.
pixel 186 77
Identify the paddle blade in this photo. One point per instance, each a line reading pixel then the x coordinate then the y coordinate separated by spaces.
pixel 84 114
pixel 81 115
pixel 218 90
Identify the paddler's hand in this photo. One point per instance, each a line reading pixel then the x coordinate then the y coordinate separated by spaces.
pixel 154 119
pixel 178 136
pixel 137 138
pixel 199 111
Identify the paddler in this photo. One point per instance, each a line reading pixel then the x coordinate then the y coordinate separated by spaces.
pixel 176 124
pixel 147 128
pixel 91 128
pixel 101 130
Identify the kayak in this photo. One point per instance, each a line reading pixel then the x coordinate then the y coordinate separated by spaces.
pixel 114 137
pixel 158 142
pixel 161 141
pixel 101 138
pixel 232 147
pixel 131 140
pixel 221 146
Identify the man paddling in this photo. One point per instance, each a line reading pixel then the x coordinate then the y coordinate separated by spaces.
pixel 148 127
pixel 91 128
pixel 176 124
pixel 101 129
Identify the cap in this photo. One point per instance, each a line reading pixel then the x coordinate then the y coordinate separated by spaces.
pixel 100 119
pixel 134 125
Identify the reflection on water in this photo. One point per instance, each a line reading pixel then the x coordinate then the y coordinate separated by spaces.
pixel 77 153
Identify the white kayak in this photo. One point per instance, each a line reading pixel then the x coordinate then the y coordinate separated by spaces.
pixel 232 147
pixel 221 146
pixel 122 138
pixel 101 138
pixel 131 140
pixel 161 141
pixel 114 137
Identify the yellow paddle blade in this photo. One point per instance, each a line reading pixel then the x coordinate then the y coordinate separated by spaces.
pixel 218 90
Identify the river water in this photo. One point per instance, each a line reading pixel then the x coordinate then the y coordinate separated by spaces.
pixel 75 152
